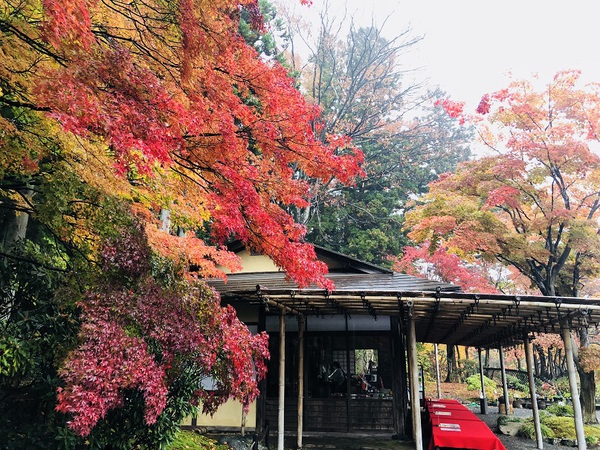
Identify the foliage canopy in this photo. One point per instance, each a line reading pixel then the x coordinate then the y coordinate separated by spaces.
pixel 136 139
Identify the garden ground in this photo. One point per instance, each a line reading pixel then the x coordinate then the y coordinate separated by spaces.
pixel 354 441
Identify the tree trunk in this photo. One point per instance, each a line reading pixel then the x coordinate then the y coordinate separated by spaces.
pixel 458 373
pixel 587 383
pixel 559 363
pixel 451 364
pixel 14 228
pixel 486 361
pixel 587 395
pixel 543 363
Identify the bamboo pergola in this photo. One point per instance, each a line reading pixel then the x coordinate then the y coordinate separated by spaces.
pixel 437 313
pixel 454 318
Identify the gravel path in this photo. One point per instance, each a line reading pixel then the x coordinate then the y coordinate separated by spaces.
pixel 513 442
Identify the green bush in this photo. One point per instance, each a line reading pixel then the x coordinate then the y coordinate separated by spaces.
pixel 559 428
pixel 591 440
pixel 474 384
pixel 592 434
pixel 563 427
pixel 467 368
pixel 528 431
pixel 188 440
pixel 560 410
pixel 516 384
pixel 562 387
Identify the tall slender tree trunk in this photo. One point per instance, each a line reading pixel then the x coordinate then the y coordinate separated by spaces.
pixel 459 373
pixel 486 360
pixel 451 364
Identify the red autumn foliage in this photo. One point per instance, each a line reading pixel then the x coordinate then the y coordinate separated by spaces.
pixel 444 266
pixel 195 122
pixel 186 327
pixel 197 100
pixel 453 109
pixel 67 23
pixel 484 105
pixel 533 202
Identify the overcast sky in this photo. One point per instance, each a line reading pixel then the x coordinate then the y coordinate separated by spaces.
pixel 470 46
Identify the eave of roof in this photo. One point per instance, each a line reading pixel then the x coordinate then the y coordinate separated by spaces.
pixel 392 282
pixel 442 313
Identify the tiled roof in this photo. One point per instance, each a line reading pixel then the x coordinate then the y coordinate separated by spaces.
pixel 243 282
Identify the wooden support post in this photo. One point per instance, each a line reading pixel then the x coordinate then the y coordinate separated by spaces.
pixel 281 411
pixel 534 405
pixel 399 385
pixel 504 383
pixel 437 371
pixel 578 416
pixel 482 395
pixel 261 415
pixel 414 384
pixel 347 370
pixel 301 322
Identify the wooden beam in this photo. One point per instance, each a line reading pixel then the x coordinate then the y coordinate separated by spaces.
pixel 437 372
pixel 577 413
pixel 534 405
pixel 300 431
pixel 399 384
pixel 281 411
pixel 482 395
pixel 348 379
pixel 504 383
pixel 414 384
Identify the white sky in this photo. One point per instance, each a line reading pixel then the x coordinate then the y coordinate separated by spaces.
pixel 470 46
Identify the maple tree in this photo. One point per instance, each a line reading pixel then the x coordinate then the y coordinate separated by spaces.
pixel 139 333
pixel 443 266
pixel 112 113
pixel 194 102
pixel 440 265
pixel 533 203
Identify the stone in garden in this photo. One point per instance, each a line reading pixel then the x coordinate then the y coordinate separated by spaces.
pixel 510 428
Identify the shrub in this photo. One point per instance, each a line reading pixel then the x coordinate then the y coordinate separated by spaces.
pixel 592 434
pixel 516 384
pixel 474 384
pixel 189 440
pixel 562 387
pixel 559 428
pixel 563 427
pixel 467 368
pixel 560 410
pixel 528 431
